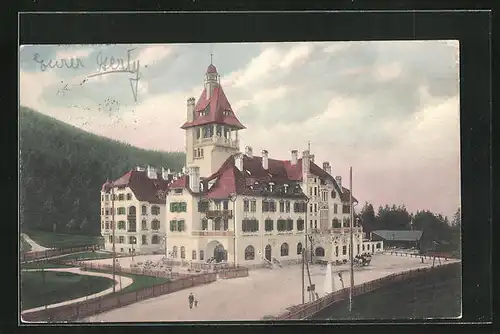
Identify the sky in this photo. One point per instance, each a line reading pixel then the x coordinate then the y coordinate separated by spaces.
pixel 389 109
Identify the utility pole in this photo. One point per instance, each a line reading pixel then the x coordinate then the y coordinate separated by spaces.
pixel 351 255
pixel 303 278
pixel 113 227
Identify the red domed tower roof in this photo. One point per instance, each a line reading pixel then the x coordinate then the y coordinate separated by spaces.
pixel 211 69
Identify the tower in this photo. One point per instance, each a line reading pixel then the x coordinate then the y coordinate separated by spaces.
pixel 211 127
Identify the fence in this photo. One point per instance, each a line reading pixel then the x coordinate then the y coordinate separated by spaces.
pixel 33 256
pixel 307 310
pixel 98 305
pixel 425 256
pixel 233 273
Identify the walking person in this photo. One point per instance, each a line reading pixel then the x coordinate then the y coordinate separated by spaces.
pixel 196 303
pixel 191 300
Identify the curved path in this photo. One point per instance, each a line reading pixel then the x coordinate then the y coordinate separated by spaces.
pixel 125 282
pixel 34 246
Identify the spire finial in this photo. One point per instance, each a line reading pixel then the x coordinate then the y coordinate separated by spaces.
pixel 309 146
pixel 211 55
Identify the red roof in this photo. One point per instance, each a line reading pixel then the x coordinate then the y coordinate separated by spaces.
pixel 211 69
pixel 254 180
pixel 144 188
pixel 218 109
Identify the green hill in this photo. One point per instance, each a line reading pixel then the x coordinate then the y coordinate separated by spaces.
pixel 62 169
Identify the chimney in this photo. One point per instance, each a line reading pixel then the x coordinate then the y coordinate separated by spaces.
pixel 312 157
pixel 327 168
pixel 249 151
pixel 152 173
pixel 164 173
pixel 238 161
pixel 265 159
pixel 294 157
pixel 190 109
pixel 305 162
pixel 194 179
pixel 338 179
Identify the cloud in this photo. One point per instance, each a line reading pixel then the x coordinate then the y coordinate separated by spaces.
pixel 73 53
pixel 153 54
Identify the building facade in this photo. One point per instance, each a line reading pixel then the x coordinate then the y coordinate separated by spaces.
pixel 136 203
pixel 248 209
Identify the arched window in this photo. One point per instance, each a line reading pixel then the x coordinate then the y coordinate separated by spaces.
pixel 144 225
pixel 320 251
pixel 193 255
pixel 299 248
pixel 155 210
pixel 144 240
pixel 155 240
pixel 284 249
pixel 183 252
pixel 144 210
pixel 202 255
pixel 249 253
pixel 131 210
pixel 155 225
pixel 174 252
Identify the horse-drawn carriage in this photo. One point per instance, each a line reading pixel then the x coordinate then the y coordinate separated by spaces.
pixel 362 260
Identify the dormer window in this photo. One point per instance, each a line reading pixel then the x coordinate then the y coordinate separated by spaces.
pixel 205 111
pixel 226 112
pixel 285 188
pixel 271 186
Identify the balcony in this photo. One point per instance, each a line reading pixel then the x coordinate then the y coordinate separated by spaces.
pixel 212 233
pixel 132 230
pixel 132 217
pixel 211 214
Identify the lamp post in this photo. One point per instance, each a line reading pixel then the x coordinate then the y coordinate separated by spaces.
pixel 351 223
pixel 233 198
pixel 134 241
pixel 304 250
pixel 110 187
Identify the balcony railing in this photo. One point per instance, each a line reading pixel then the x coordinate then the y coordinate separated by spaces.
pixel 131 230
pixel 211 214
pixel 129 216
pixel 212 233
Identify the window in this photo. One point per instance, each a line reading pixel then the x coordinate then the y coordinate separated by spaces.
pixel 269 225
pixel 345 208
pixel 110 239
pixel 334 194
pixel 121 197
pixel 174 252
pixel 344 250
pixel 281 225
pixel 155 240
pixel 106 226
pixel 284 249
pixel 202 255
pixel 363 248
pixel 311 207
pixel 193 255
pixel 107 197
pixel 272 206
pixel 102 198
pixel 335 208
pixel 282 206
pixel 299 207
pixel 249 253
pixel 129 197
pixel 246 205
pixel 120 211
pixel 144 210
pixel 315 223
pixel 217 222
pixel 225 205
pixel 155 225
pixel 204 224
pixel 287 206
pixel 315 191
pixel 131 211
pixel 121 239
pixel 346 222
pixel 315 207
pixel 107 211
pixel 173 225
pixel 121 225
pixel 178 207
pixel 132 226
pixel 144 225
pixel 378 245
pixel 311 224
pixel 217 205
pixel 144 240
pixel 183 252
pixel 253 206
pixel 336 250
pixel 310 191
pixel 102 211
pixel 299 248
pixel 131 240
pixel 225 223
pixel 300 224
pixel 289 224
pixel 155 210
pixel 358 249
pixel 320 251
pixel 203 206
pixel 181 226
pixel 178 191
pixel 250 225
pixel 336 223
pixel 265 206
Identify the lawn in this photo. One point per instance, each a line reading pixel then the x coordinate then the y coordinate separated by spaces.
pixel 61 240
pixel 436 296
pixel 44 264
pixel 140 281
pixel 86 255
pixel 25 247
pixel 49 287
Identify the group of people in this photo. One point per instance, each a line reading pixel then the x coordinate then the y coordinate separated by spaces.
pixel 192 301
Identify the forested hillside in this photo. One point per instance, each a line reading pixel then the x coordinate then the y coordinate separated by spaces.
pixel 62 169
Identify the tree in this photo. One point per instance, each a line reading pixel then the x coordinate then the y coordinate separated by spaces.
pixel 71 225
pixel 367 218
pixel 457 218
pixel 84 225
